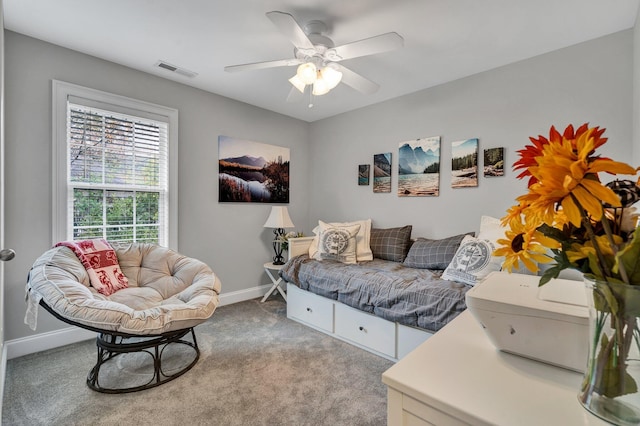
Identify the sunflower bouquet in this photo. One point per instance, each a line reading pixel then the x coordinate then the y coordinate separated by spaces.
pixel 570 218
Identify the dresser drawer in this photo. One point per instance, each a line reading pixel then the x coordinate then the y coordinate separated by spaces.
pixel 365 329
pixel 309 308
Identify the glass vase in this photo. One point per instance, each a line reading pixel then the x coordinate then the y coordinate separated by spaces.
pixel 610 388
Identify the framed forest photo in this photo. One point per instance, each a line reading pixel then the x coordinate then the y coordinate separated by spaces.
pixel 419 167
pixel 493 162
pixel 252 172
pixel 464 163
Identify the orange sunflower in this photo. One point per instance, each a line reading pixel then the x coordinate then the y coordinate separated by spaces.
pixel 566 174
pixel 529 154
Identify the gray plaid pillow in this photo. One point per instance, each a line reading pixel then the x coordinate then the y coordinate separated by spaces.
pixel 391 243
pixel 433 254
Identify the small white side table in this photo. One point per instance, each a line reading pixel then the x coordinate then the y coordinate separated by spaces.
pixel 268 267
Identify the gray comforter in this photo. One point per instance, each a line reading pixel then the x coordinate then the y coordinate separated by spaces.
pixel 414 297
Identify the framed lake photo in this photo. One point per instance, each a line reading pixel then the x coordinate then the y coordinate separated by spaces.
pixel 252 172
pixel 493 162
pixel 464 163
pixel 364 170
pixel 382 172
pixel 419 167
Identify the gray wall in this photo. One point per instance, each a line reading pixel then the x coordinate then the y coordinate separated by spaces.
pixel 503 107
pixel 228 237
pixel 590 82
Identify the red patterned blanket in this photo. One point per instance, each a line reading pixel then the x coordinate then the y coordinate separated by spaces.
pixel 101 262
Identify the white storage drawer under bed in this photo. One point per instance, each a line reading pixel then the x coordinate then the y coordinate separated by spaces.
pixel 366 329
pixel 310 308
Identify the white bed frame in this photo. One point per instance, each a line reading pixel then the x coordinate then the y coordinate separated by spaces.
pixel 388 339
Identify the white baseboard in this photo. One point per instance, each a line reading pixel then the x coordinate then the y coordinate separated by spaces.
pixel 40 342
pixel 242 295
pixel 49 340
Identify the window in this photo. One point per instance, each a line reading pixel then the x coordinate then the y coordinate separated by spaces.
pixel 113 167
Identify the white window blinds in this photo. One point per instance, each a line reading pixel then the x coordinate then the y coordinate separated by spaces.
pixel 117 176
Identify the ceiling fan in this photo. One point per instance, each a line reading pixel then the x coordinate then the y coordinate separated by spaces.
pixel 317 58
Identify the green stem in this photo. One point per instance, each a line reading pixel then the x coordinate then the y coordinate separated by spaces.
pixel 604 269
pixel 607 231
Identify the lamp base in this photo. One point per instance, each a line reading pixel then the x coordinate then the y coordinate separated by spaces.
pixel 277 246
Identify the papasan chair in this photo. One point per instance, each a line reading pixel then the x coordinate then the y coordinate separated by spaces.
pixel 143 316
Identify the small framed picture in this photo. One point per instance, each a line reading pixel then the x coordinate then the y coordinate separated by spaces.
pixel 363 174
pixel 493 162
pixel 464 163
pixel 382 172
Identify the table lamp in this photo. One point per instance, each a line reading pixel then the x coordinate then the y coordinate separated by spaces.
pixel 278 219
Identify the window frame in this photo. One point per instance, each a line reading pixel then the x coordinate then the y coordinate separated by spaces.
pixel 62 92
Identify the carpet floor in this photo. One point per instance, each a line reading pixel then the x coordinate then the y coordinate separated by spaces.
pixel 256 367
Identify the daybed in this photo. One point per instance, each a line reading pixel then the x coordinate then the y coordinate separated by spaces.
pixel 389 304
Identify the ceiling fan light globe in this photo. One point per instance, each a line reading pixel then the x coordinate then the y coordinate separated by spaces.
pixel 331 76
pixel 320 87
pixel 297 83
pixel 307 73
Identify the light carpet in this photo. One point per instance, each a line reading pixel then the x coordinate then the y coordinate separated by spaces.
pixel 256 367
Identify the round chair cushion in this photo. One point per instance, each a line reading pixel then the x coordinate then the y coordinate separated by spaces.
pixel 167 291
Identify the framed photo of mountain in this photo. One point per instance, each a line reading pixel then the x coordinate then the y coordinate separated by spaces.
pixel 382 172
pixel 493 162
pixel 419 168
pixel 364 170
pixel 464 163
pixel 252 172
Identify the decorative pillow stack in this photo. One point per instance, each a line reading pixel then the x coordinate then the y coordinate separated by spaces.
pixel 362 238
pixel 433 254
pixel 337 242
pixel 391 243
pixel 101 262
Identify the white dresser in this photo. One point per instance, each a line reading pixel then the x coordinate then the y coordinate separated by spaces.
pixel 457 377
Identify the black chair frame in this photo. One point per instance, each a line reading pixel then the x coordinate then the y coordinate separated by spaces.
pixel 110 344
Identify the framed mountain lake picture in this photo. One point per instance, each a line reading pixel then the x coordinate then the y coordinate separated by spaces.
pixel 363 174
pixel 382 172
pixel 252 172
pixel 419 167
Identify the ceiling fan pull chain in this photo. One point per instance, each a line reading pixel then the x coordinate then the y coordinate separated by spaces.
pixel 310 98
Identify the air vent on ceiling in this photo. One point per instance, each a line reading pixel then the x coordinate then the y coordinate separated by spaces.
pixel 167 66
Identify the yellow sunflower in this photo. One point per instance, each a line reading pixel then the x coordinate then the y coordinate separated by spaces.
pixel 523 243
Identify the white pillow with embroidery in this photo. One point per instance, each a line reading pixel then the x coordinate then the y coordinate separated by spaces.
pixel 337 242
pixel 473 261
pixel 363 240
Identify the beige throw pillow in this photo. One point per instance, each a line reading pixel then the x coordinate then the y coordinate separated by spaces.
pixel 363 240
pixel 337 242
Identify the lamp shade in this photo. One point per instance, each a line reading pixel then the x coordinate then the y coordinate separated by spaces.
pixel 279 218
pixel 331 75
pixel 297 83
pixel 307 72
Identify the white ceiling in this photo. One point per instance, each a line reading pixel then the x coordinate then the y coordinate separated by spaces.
pixel 444 39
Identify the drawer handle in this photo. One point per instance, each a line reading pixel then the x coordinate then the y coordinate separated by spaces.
pixel 309 310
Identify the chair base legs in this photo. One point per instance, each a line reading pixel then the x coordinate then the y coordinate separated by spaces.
pixel 110 346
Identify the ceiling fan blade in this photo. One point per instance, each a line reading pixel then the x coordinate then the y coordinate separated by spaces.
pixel 357 82
pixel 368 46
pixel 290 28
pixel 262 65
pixel 295 95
